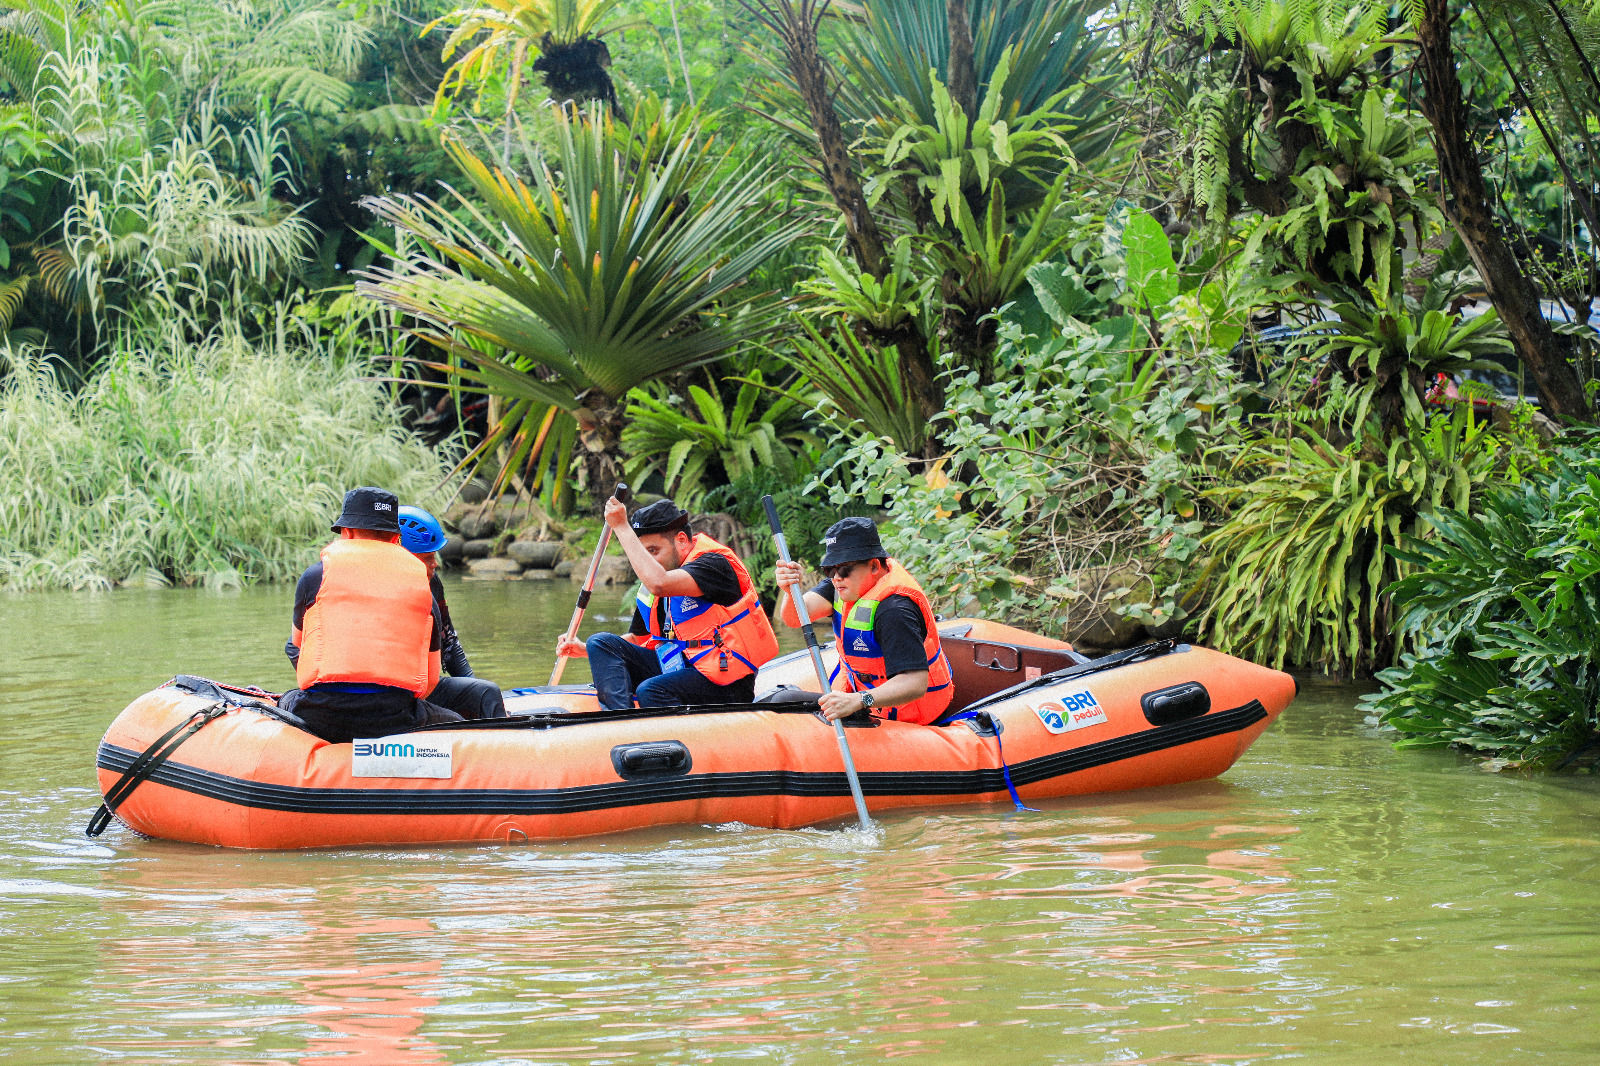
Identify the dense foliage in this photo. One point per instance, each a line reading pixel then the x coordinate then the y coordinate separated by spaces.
pixel 1503 605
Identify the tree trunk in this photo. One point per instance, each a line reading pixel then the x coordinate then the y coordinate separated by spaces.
pixel 797 21
pixel 796 24
pixel 600 421
pixel 1467 205
pixel 963 74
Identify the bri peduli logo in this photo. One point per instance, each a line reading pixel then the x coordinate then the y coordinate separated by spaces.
pixel 1073 710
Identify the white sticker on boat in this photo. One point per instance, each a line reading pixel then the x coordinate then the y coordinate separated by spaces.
pixel 1073 710
pixel 402 756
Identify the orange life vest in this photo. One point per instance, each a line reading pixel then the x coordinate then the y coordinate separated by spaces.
pixel 862 658
pixel 372 620
pixel 724 643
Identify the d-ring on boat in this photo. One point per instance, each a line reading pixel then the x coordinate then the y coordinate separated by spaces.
pixel 212 764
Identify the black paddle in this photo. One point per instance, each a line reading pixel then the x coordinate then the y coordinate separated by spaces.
pixel 798 595
pixel 588 587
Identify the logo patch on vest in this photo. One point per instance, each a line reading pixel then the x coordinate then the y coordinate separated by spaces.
pixel 860 644
pixel 1075 710
pixel 403 756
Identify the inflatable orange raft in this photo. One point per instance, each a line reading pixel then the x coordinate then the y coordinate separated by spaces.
pixel 198 762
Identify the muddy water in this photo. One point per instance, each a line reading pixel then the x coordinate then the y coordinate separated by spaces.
pixel 1328 901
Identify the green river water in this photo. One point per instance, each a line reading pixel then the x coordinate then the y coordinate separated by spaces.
pixel 1329 900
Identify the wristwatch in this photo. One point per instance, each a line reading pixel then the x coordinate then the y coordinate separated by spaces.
pixel 866 700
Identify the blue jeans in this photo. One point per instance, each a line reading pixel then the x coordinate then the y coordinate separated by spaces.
pixel 623 671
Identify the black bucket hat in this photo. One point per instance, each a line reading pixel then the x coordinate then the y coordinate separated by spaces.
pixel 369 508
pixel 663 516
pixel 851 540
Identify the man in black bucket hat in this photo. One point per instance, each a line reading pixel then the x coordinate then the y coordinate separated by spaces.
pixel 890 659
pixel 367 634
pixel 699 633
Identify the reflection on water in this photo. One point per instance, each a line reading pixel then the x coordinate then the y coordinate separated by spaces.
pixel 1329 900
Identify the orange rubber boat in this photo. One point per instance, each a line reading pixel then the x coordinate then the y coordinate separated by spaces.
pixel 210 764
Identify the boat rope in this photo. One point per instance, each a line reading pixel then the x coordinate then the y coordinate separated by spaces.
pixel 986 720
pixel 150 761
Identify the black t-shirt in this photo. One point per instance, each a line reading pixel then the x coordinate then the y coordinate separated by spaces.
pixel 718 583
pixel 899 629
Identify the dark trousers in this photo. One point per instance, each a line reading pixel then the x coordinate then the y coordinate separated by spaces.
pixel 341 716
pixel 470 697
pixel 623 671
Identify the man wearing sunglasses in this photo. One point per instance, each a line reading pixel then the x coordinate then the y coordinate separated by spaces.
pixel 699 633
pixel 888 641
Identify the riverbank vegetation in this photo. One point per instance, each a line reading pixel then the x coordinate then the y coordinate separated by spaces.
pixel 214 462
pixel 1221 318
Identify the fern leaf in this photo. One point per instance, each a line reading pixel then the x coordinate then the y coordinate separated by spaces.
pixel 11 296
pixel 392 122
pixel 310 90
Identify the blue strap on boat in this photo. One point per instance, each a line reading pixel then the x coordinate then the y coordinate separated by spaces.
pixel 999 750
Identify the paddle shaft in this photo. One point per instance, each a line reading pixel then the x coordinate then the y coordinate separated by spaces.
pixel 588 588
pixel 798 595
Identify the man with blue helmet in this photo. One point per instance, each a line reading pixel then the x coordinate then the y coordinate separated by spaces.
pixel 462 692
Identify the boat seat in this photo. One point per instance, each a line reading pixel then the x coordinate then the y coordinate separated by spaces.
pixel 980 668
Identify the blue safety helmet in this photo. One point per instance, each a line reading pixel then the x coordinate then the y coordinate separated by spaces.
pixel 420 532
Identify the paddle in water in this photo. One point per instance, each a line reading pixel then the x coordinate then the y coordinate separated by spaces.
pixel 798 595
pixel 621 496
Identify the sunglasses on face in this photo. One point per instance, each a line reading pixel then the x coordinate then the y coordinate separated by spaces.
pixel 843 570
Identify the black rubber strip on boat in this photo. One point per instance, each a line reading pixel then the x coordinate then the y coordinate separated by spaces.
pixel 403 801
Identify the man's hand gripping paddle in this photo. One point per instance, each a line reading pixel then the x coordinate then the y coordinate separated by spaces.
pixel 798 595
pixel 588 587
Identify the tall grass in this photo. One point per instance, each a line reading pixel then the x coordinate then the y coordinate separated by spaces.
pixel 218 462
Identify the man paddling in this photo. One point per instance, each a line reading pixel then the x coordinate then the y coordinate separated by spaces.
pixel 367 633
pixel 890 659
pixel 698 635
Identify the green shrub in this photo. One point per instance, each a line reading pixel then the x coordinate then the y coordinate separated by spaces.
pixel 1086 456
pixel 804 509
pixel 1297 573
pixel 1504 604
pixel 182 462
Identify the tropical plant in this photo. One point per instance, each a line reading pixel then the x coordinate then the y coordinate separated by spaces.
pixel 605 270
pixel 705 441
pixel 1084 458
pixel 567 36
pixel 952 136
pixel 172 140
pixel 892 55
pixel 1503 604
pixel 1396 353
pixel 1321 518
pixel 1564 62
pixel 868 391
